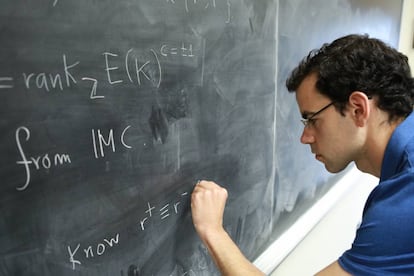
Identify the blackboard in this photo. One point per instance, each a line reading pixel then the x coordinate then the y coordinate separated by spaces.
pixel 110 111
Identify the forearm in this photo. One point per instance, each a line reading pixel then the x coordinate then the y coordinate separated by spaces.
pixel 227 256
pixel 207 206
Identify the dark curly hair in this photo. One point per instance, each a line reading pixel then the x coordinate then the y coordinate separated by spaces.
pixel 359 63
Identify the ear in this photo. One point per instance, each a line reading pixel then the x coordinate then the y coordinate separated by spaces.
pixel 359 107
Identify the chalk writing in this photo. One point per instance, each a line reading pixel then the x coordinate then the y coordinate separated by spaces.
pixel 108 69
pixel 99 141
pixel 96 250
pixel 203 3
pixel 228 12
pixel 162 213
pixel 46 81
pixel 141 68
pixel 94 87
pixel 90 251
pixel 41 161
pixel 6 82
pixel 185 50
pixel 190 5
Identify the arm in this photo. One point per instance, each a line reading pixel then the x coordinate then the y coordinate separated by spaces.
pixel 207 204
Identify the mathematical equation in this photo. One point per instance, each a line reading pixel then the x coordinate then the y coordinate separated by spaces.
pixel 152 212
pixel 136 69
pixel 189 5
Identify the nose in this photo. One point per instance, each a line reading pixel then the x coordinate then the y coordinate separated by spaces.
pixel 307 136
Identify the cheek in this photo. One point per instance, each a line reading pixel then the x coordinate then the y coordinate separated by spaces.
pixel 341 132
pixel 336 157
pixel 335 144
pixel 342 148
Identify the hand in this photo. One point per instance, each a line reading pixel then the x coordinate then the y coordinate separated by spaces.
pixel 208 201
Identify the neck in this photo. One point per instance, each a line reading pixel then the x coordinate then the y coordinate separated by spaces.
pixel 377 140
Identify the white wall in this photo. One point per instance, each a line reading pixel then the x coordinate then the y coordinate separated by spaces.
pixel 335 232
pixel 406 43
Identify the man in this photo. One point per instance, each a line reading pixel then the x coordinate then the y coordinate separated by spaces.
pixel 356 98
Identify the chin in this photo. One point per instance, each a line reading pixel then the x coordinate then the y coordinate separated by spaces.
pixel 332 169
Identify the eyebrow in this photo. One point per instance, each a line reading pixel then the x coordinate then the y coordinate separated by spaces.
pixel 307 114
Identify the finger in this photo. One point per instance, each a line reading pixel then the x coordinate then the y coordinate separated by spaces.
pixel 206 184
pixel 200 185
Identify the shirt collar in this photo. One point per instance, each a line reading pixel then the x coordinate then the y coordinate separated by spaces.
pixel 394 152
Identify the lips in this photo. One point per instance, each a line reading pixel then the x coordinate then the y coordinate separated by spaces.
pixel 318 157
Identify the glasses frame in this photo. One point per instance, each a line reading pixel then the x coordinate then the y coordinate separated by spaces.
pixel 306 121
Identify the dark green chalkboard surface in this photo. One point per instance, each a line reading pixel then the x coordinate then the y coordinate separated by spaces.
pixel 110 111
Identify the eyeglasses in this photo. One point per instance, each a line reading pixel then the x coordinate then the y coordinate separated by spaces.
pixel 309 121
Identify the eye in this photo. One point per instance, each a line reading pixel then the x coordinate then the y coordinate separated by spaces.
pixel 312 122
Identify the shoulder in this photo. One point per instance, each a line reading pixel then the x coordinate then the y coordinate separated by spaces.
pixel 384 240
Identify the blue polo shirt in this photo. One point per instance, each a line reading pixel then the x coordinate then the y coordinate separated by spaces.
pixel 384 243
